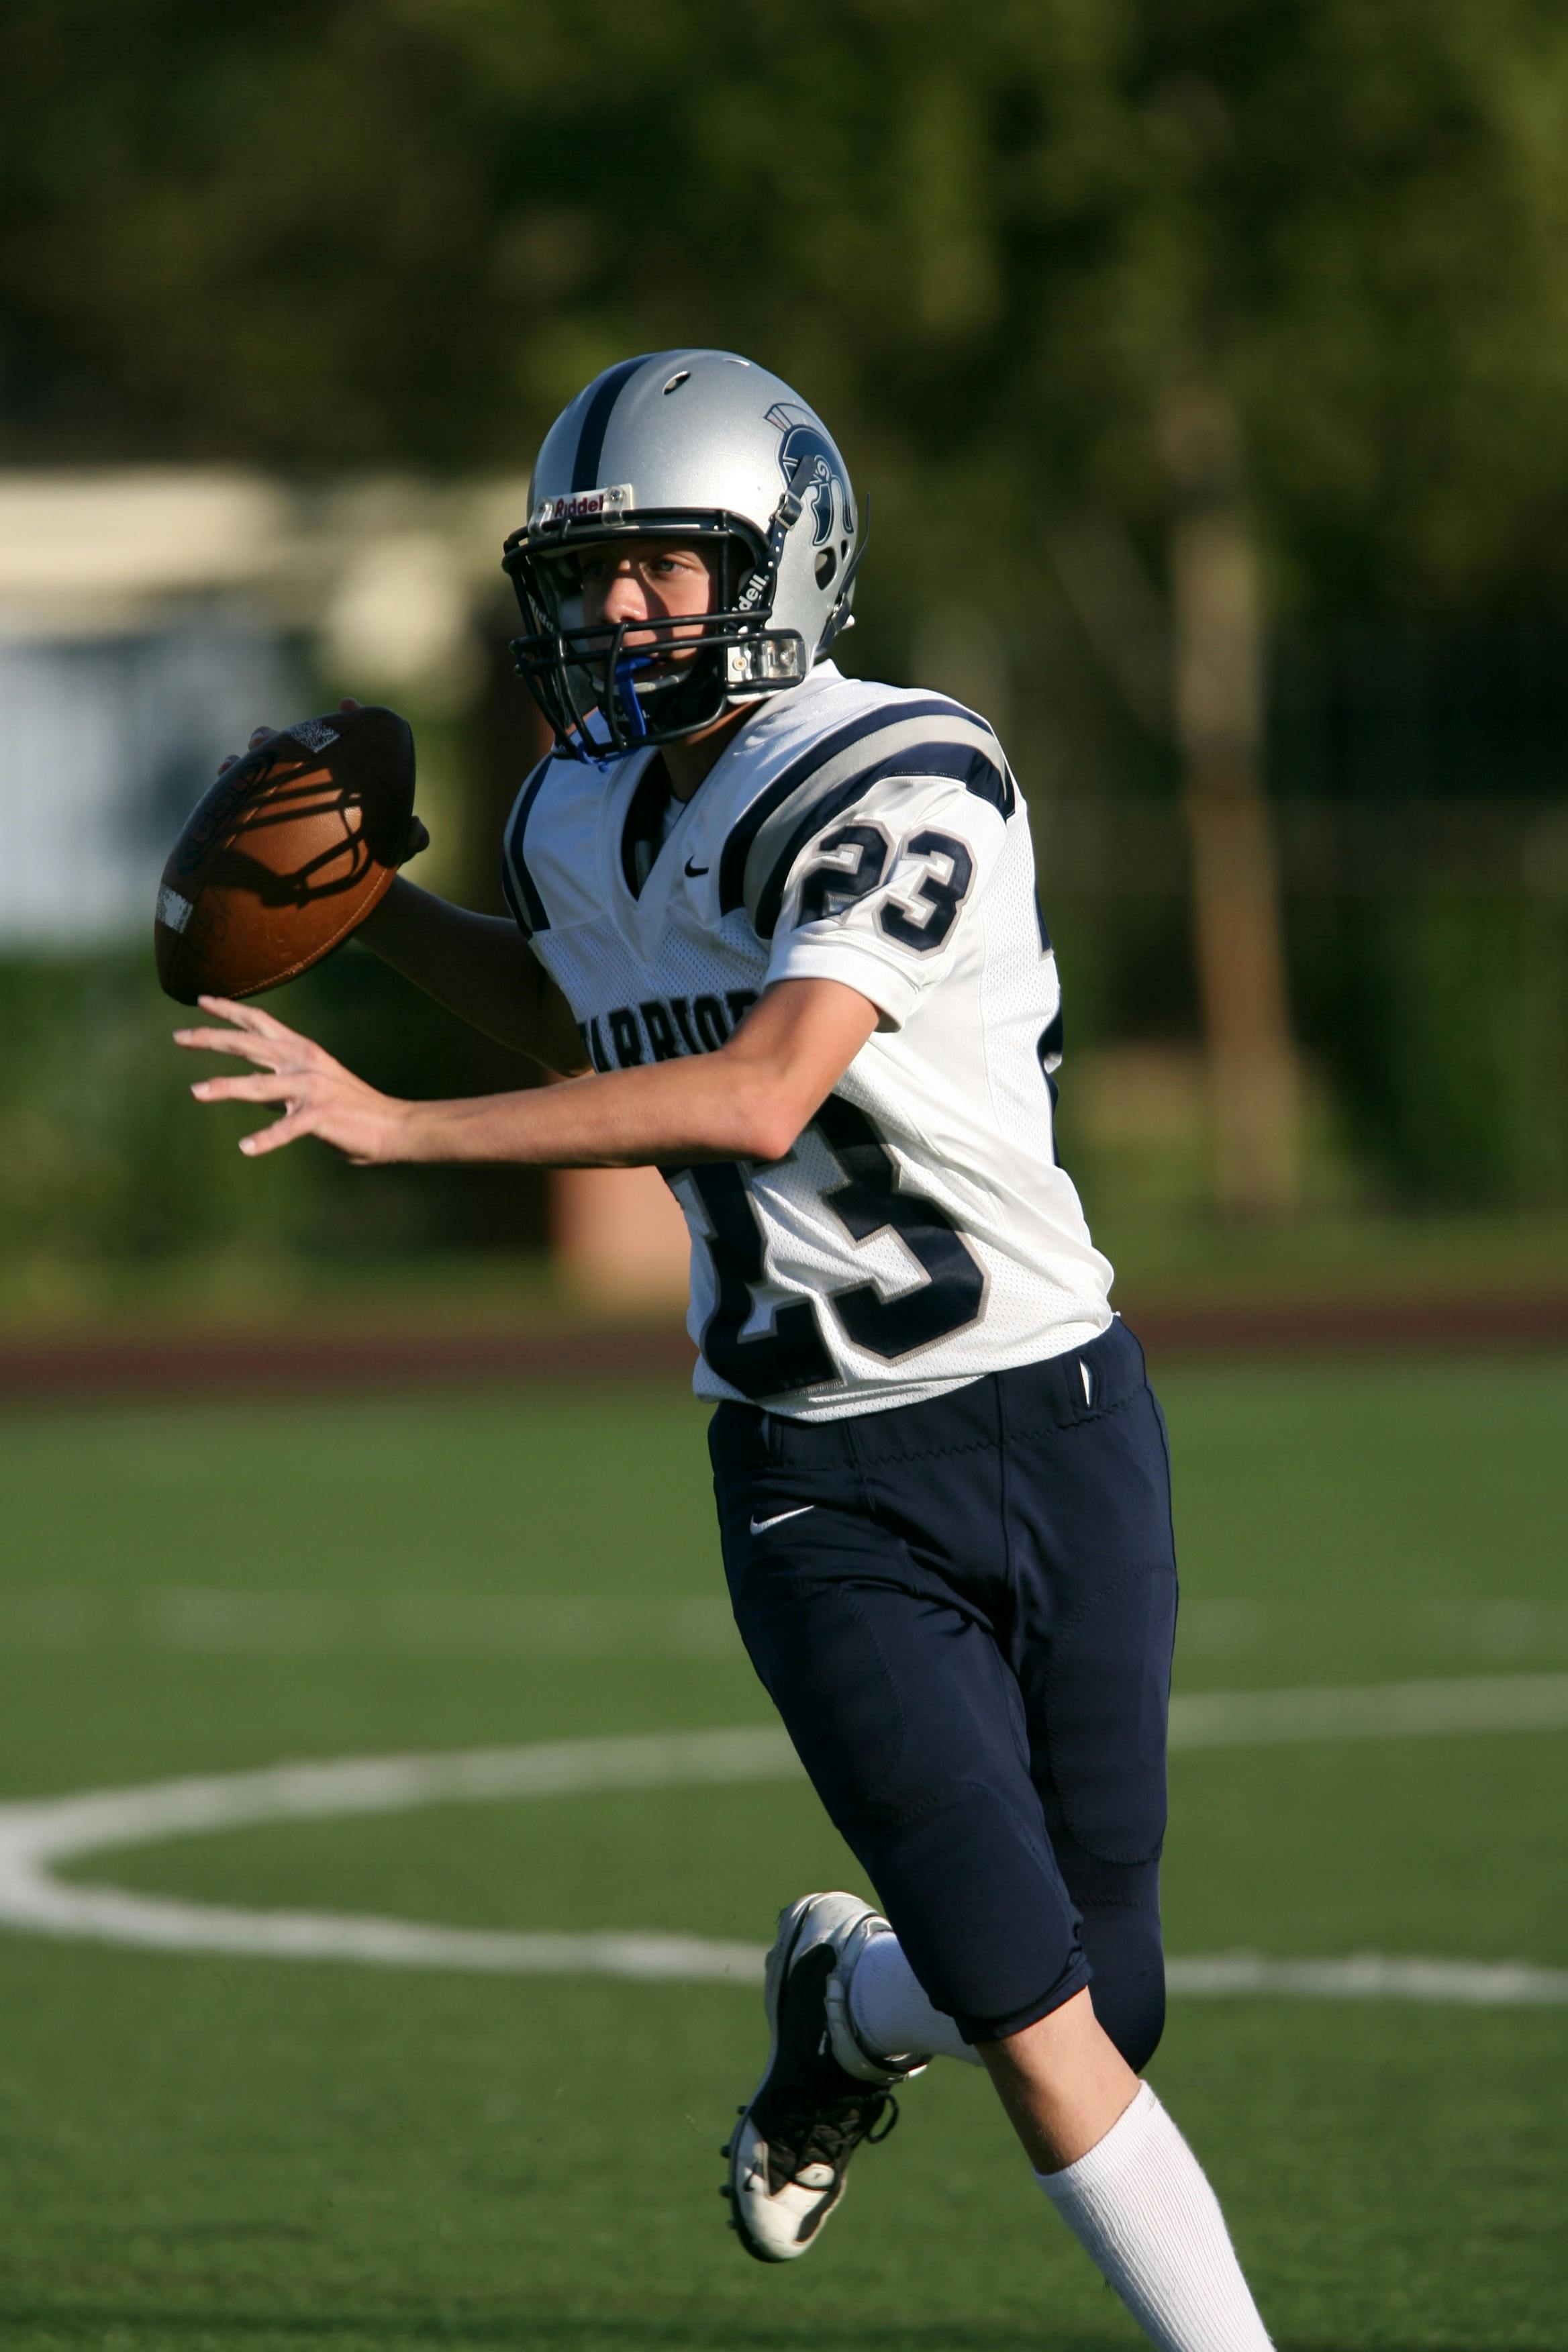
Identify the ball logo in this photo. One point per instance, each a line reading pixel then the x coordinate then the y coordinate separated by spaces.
pixel 812 469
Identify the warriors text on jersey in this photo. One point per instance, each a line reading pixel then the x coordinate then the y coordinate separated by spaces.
pixel 920 1234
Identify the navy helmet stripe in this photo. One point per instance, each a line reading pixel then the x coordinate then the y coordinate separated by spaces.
pixel 513 867
pixel 738 847
pixel 595 424
pixel 958 762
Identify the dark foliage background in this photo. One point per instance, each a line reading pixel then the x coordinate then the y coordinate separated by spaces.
pixel 1004 250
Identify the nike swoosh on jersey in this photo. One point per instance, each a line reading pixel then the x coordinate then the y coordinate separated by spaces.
pixel 695 871
pixel 780 1516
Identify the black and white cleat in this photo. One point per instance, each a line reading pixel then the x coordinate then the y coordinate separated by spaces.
pixel 821 2094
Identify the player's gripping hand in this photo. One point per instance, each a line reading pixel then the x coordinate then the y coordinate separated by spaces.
pixel 318 1095
pixel 419 837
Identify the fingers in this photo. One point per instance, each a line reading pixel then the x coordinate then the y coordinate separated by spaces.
pixel 246 1016
pixel 273 1138
pixel 318 1094
pixel 230 1041
pixel 306 1114
pixel 266 1085
pixel 254 1037
pixel 258 735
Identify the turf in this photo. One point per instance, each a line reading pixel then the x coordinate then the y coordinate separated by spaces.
pixel 214 2153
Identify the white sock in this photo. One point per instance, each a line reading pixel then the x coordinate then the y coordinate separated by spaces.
pixel 891 2016
pixel 1140 2206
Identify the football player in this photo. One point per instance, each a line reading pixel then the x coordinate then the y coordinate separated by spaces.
pixel 776 934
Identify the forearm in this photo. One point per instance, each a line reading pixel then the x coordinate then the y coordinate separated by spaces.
pixel 748 1101
pixel 662 1114
pixel 480 967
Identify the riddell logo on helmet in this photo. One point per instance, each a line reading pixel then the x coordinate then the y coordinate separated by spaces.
pixel 583 506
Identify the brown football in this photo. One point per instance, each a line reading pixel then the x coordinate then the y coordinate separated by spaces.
pixel 286 854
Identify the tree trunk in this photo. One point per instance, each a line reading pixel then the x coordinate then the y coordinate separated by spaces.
pixel 1218 657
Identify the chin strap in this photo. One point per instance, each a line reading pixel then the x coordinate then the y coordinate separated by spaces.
pixel 627 669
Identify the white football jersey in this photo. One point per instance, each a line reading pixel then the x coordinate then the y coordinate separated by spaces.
pixel 920 1234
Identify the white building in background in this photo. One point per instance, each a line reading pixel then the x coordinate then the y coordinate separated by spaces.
pixel 105 744
pixel 148 617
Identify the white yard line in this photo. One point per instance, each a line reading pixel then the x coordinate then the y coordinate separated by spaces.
pixel 433 1620
pixel 1476 1984
pixel 36 1838
pixel 1371 1711
pixel 206 1621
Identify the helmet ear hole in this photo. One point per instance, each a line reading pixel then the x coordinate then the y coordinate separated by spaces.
pixel 826 565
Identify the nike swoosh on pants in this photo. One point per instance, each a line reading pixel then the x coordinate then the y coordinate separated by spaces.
pixel 780 1516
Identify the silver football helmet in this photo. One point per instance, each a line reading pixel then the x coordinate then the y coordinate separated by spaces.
pixel 682 445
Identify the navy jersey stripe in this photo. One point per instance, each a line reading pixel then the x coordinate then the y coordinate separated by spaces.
pixel 533 916
pixel 595 424
pixel 961 762
pixel 738 847
pixel 993 784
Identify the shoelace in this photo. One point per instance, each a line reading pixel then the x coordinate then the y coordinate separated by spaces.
pixel 830 2135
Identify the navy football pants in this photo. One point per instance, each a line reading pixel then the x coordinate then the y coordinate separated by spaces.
pixel 968 1634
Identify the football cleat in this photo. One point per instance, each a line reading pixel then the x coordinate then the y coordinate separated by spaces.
pixel 821 2093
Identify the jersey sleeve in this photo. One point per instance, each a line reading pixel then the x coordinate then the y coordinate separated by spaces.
pixel 878 896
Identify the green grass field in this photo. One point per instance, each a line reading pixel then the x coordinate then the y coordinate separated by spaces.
pixel 204 2152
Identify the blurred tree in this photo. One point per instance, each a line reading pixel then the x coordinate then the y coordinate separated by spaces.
pixel 1266 298
pixel 376 232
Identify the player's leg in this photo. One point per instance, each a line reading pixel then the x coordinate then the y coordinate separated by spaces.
pixel 886 2007
pixel 1119 1927
pixel 1054 1521
pixel 910 1724
pixel 1126 2183
pixel 1094 1572
pixel 1103 2150
pixel 1094 1578
pixel 1087 1625
pixel 843 1546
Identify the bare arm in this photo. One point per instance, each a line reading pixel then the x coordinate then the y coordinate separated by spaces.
pixel 748 1101
pixel 481 968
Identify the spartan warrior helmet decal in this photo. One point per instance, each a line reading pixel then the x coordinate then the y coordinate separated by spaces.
pixel 812 465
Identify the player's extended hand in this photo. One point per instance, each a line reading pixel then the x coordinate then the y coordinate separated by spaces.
pixel 319 1096
pixel 418 834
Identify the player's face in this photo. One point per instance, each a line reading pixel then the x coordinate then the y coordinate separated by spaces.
pixel 644 579
pixel 628 582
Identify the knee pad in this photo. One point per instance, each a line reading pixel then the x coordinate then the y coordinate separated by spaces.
pixel 977 1905
pixel 1122 1941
